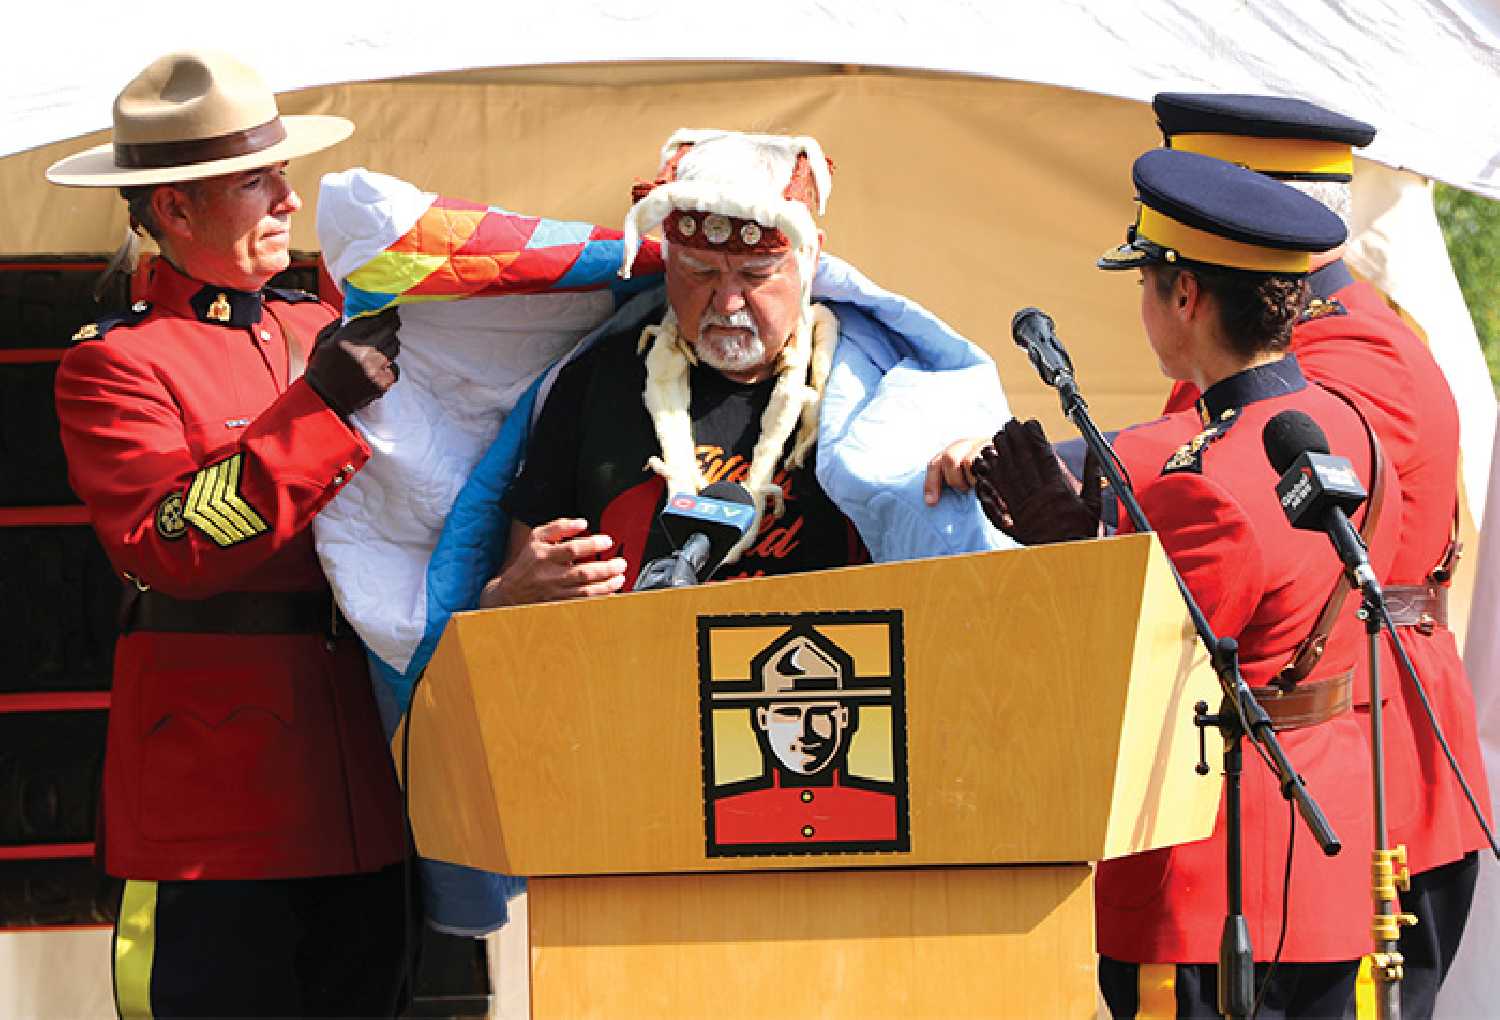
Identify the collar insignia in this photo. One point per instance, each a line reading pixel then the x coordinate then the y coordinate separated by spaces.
pixel 1319 308
pixel 1189 456
pixel 219 310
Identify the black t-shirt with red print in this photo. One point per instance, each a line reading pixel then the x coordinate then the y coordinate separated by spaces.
pixel 588 453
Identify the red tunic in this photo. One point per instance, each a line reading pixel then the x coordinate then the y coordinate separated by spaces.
pixel 1206 486
pixel 1356 342
pixel 835 813
pixel 229 756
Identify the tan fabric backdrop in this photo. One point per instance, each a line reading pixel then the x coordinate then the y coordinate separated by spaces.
pixel 975 197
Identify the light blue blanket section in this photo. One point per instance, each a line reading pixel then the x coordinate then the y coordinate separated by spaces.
pixel 902 387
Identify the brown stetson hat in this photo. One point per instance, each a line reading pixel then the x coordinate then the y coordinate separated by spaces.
pixel 192 115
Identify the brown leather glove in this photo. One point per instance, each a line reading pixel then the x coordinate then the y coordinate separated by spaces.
pixel 354 363
pixel 1026 493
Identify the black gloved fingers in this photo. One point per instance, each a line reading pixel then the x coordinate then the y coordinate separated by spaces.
pixel 1017 473
pixel 327 333
pixel 1039 449
pixel 985 461
pixel 993 505
pixel 372 330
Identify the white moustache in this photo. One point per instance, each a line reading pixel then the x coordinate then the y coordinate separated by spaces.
pixel 740 318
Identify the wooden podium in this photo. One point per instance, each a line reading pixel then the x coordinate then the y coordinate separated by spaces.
pixel 866 792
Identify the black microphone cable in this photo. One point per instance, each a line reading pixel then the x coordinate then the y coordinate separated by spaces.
pixel 1286 904
pixel 1289 435
pixel 1410 669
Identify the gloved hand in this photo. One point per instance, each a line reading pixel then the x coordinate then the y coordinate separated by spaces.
pixel 1027 494
pixel 354 363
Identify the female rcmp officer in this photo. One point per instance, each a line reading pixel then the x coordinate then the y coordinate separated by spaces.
pixel 1223 254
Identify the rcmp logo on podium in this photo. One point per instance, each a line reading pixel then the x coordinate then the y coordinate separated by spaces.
pixel 804 733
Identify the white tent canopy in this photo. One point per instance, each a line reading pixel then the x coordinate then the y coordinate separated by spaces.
pixel 1425 71
pixel 1417 68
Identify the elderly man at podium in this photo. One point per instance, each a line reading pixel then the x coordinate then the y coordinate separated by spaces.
pixel 728 380
pixel 1224 254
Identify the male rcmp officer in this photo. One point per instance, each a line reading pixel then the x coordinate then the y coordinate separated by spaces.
pixel 1223 253
pixel 805 718
pixel 1350 339
pixel 248 797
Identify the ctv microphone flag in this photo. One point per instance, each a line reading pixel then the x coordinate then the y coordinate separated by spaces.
pixel 702 528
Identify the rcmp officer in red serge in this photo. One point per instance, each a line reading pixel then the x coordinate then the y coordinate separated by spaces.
pixel 249 798
pixel 1352 340
pixel 1223 255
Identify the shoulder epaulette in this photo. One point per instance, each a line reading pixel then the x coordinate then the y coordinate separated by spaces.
pixel 289 294
pixel 1321 308
pixel 1189 456
pixel 96 329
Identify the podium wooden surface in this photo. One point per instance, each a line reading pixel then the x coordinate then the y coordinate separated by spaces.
pixel 1048 707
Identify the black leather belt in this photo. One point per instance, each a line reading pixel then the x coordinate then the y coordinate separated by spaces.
pixel 1423 606
pixel 234 612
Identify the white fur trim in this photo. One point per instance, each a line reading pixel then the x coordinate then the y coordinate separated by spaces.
pixel 802 368
pixel 795 145
pixel 792 218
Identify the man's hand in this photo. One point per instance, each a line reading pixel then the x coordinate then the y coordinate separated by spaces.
pixel 1026 493
pixel 953 467
pixel 553 561
pixel 355 362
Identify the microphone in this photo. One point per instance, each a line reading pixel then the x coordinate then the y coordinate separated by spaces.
pixel 703 528
pixel 1035 334
pixel 1318 491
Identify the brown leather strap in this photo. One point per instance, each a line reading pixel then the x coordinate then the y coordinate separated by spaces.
pixel 296 351
pixel 157 155
pixel 1308 703
pixel 234 612
pixel 1310 651
pixel 1423 606
pixel 1448 565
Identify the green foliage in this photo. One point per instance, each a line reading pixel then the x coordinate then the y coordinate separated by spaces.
pixel 1471 226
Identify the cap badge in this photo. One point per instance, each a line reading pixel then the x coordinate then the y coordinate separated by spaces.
pixel 219 311
pixel 717 228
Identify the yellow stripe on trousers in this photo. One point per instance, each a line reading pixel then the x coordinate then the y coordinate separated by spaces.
pixel 1364 991
pixel 135 948
pixel 1156 991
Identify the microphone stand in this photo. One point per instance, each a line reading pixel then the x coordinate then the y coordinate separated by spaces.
pixel 1239 716
pixel 1387 865
pixel 1388 871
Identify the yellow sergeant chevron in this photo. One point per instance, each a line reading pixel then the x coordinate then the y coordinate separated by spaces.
pixel 214 504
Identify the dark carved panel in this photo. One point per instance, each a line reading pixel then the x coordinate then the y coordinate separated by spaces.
pixel 50 764
pixel 32 465
pixel 59 600
pixel 63 892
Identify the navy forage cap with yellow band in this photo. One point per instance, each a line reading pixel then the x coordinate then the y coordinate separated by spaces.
pixel 1196 210
pixel 1290 139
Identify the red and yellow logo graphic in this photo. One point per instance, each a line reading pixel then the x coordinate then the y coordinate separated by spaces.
pixel 804 733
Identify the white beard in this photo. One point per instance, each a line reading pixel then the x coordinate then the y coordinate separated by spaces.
pixel 730 352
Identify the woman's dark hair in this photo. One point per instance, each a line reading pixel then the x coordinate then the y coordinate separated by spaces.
pixel 1256 310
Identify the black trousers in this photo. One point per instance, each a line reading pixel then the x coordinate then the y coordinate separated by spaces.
pixel 1298 991
pixel 1440 898
pixel 304 947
